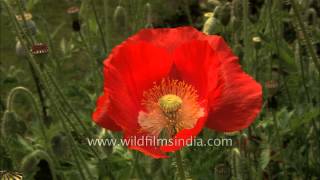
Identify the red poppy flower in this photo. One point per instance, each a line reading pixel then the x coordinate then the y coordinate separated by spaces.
pixel 175 81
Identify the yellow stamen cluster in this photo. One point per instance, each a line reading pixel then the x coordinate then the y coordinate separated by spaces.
pixel 171 105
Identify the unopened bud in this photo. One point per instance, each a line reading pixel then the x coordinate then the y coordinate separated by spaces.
pixel 120 19
pixel 60 145
pixel 257 42
pixel 31 27
pixel 311 16
pixel 224 14
pixel 30 162
pixel 272 86
pixel 28 25
pixel 210 25
pixel 11 125
pixel 20 51
pixel 148 11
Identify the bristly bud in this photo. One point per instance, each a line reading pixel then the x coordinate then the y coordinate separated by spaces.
pixel 214 2
pixel 238 50
pixel 27 17
pixel 148 12
pixel 210 24
pixel 11 125
pixel 120 19
pixel 20 51
pixel 30 162
pixel 222 171
pixel 31 27
pixel 236 8
pixel 28 25
pixel 60 145
pixel 235 23
pixel 272 87
pixel 289 33
pixel 257 42
pixel 311 16
pixel 224 14
pixel 39 48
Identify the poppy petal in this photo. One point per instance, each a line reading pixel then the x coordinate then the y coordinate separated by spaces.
pixel 237 99
pixel 143 143
pixel 168 38
pixel 100 116
pixel 192 61
pixel 192 67
pixel 129 71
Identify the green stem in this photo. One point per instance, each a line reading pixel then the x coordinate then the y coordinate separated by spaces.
pixel 99 26
pixel 305 35
pixel 180 165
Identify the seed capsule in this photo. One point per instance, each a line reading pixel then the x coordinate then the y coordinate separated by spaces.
pixel 39 48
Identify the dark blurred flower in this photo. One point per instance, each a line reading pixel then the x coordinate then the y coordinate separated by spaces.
pixel 76 25
pixel 175 81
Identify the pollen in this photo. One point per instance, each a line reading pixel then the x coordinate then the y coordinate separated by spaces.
pixel 169 107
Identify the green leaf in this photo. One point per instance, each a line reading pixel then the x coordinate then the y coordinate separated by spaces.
pixel 264 156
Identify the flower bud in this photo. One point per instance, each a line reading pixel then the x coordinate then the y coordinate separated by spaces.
pixel 20 51
pixel 272 86
pixel 235 23
pixel 28 25
pixel 11 125
pixel 209 25
pixel 120 19
pixel 31 27
pixel 29 163
pixel 256 42
pixel 238 50
pixel 214 2
pixel 222 171
pixel 148 11
pixel 235 152
pixel 311 16
pixel 224 14
pixel 60 145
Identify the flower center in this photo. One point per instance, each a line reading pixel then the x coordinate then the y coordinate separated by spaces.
pixel 171 105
